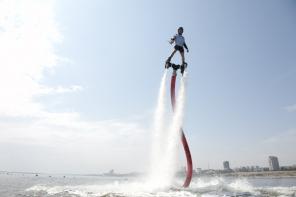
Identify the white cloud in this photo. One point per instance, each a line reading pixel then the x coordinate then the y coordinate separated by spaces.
pixel 28 32
pixel 60 89
pixel 27 36
pixel 290 108
pixel 82 146
pixel 288 137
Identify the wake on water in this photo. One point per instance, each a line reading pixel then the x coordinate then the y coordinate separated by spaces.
pixel 203 187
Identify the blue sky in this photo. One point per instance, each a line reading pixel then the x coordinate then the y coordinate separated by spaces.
pixel 106 61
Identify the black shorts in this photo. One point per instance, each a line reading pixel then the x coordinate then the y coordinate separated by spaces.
pixel 179 48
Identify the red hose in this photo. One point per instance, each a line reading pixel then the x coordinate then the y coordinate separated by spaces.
pixel 184 141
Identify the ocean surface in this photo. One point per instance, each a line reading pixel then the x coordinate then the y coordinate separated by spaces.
pixel 26 185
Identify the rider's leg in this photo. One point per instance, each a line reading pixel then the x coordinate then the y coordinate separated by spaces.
pixel 173 53
pixel 183 57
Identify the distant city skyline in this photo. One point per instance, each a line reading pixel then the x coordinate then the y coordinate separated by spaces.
pixel 273 163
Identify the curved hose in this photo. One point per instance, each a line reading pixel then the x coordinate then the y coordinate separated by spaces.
pixel 184 141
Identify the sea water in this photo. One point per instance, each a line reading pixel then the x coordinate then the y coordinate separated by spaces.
pixel 26 185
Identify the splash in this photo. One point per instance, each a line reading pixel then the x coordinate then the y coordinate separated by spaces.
pixel 116 189
pixel 202 186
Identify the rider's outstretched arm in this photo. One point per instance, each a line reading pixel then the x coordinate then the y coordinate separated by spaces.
pixel 172 40
pixel 186 47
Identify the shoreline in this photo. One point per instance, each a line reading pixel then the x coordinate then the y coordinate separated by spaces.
pixel 275 174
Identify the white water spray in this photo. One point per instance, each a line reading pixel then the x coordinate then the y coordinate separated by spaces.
pixel 166 139
pixel 174 136
pixel 159 137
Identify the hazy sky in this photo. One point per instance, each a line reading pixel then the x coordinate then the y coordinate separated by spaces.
pixel 79 82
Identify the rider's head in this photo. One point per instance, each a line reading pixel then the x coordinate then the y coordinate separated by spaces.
pixel 180 30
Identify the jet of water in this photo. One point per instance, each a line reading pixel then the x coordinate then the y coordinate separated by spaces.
pixel 166 140
pixel 159 137
pixel 174 135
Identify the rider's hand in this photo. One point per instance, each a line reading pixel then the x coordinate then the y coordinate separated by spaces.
pixel 187 50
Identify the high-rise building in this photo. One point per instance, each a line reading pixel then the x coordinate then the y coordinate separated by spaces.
pixel 273 163
pixel 226 165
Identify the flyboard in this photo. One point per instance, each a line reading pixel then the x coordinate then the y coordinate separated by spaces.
pixel 183 137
